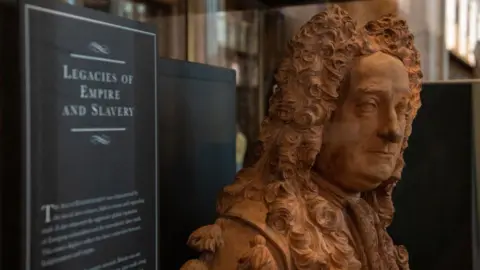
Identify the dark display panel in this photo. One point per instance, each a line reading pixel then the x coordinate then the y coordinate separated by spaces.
pixel 90 151
pixel 196 150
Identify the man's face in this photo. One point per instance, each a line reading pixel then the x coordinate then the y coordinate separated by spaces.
pixel 364 137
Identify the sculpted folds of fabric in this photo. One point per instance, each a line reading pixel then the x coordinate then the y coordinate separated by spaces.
pixel 319 194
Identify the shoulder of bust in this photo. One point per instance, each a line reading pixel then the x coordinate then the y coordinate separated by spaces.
pixel 240 238
pixel 254 214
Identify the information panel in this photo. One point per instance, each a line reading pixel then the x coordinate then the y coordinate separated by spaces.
pixel 90 140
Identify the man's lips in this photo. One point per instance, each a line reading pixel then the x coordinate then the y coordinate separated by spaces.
pixel 381 153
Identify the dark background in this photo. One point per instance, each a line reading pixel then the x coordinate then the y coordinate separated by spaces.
pixel 196 150
pixel 433 201
pixel 10 138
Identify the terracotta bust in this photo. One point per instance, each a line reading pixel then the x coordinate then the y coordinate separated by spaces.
pixel 319 195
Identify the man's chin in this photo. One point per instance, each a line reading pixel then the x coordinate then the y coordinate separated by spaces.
pixel 371 179
pixel 362 186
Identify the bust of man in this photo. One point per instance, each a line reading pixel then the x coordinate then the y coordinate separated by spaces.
pixel 319 195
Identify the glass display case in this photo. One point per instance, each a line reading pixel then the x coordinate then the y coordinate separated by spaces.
pixel 241 53
pixel 167 15
pixel 436 200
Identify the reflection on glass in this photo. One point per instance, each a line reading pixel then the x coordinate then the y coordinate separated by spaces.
pixel 168 16
pixel 141 11
pixel 450 21
pixel 241 148
pixel 462 27
pixel 220 34
pixel 236 67
pixel 472 31
pixel 127 10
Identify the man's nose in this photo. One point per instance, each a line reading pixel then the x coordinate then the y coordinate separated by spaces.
pixel 389 129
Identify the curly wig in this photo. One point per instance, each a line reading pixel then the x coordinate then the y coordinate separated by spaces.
pixel 318 59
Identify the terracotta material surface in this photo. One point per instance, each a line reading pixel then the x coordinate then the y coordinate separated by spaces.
pixel 319 195
pixel 369 10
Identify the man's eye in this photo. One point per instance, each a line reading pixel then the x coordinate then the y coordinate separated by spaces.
pixel 367 106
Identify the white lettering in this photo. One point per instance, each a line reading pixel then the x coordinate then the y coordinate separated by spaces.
pixel 85 75
pixel 98 93
pixel 108 111
pixel 74 110
pixel 127 79
pixel 48 214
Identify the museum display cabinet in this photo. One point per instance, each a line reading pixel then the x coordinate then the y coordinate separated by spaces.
pixel 117 133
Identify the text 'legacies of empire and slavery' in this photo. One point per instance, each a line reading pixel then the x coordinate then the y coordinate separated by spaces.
pixel 97 94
